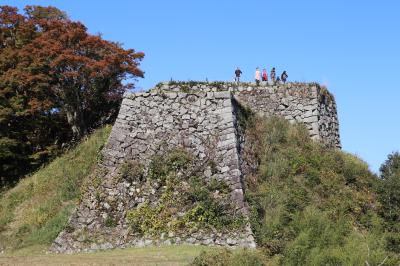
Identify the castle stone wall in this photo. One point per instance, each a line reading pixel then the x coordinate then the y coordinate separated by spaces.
pixel 309 105
pixel 148 124
pixel 306 103
pixel 201 117
pixel 203 122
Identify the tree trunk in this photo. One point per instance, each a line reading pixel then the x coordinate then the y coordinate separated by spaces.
pixel 74 113
pixel 75 120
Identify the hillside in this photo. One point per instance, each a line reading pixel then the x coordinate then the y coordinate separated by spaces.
pixel 310 205
pixel 34 211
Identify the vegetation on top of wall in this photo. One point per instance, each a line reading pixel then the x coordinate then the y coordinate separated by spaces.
pixel 325 93
pixel 39 206
pixel 187 86
pixel 220 85
pixel 311 205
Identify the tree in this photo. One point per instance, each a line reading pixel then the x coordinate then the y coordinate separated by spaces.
pixel 389 197
pixel 390 188
pixel 53 73
pixel 80 68
pixel 17 117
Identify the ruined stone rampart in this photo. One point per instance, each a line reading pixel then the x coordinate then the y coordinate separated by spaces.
pixel 306 103
pixel 203 118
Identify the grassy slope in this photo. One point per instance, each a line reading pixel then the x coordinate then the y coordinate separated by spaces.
pixel 309 205
pixel 36 210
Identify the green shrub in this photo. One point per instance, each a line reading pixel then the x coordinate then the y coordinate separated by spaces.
pixel 132 171
pixel 158 169
pixel 393 242
pixel 110 222
pixel 185 88
pixel 176 160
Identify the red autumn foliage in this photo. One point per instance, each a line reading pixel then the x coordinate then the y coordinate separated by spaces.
pixel 54 73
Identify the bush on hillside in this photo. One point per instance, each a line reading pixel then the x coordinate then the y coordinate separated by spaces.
pixel 310 205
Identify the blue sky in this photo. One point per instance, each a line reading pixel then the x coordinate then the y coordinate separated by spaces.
pixel 353 47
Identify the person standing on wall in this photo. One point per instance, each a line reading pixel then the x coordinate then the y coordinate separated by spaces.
pixel 238 72
pixel 273 75
pixel 257 76
pixel 284 77
pixel 264 75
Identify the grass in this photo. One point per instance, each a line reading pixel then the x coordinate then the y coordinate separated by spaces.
pixel 226 257
pixel 309 205
pixel 168 255
pixel 38 207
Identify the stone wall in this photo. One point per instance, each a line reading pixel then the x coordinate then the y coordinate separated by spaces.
pixel 306 103
pixel 309 104
pixel 147 124
pixel 201 117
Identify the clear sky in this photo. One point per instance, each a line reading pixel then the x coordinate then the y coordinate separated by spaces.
pixel 353 47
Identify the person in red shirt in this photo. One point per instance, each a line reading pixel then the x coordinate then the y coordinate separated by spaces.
pixel 264 75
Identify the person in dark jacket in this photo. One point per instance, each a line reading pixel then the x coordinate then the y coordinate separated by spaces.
pixel 284 77
pixel 238 72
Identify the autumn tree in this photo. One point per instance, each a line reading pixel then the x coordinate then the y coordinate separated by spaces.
pixel 83 69
pixel 53 73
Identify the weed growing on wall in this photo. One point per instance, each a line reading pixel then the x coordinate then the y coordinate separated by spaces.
pixel 186 201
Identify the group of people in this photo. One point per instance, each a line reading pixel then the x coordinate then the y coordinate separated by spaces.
pixel 263 76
